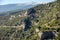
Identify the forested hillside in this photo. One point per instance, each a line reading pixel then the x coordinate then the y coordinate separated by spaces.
pixel 41 22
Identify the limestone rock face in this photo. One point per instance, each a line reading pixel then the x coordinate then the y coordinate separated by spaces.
pixel 37 30
pixel 40 34
pixel 58 14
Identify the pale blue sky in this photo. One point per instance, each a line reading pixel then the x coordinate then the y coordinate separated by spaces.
pixel 3 2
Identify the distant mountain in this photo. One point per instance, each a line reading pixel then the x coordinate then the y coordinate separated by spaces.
pixel 9 7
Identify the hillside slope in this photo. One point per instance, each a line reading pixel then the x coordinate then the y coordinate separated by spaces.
pixel 38 23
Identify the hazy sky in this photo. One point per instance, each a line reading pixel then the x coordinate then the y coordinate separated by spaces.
pixel 3 2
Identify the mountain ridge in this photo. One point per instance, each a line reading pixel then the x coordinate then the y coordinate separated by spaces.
pixel 10 7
